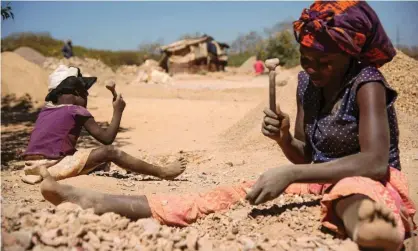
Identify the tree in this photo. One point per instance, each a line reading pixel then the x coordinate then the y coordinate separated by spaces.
pixel 249 42
pixel 6 12
pixel 284 47
pixel 152 48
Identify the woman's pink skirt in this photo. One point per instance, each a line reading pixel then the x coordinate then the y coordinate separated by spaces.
pixel 182 210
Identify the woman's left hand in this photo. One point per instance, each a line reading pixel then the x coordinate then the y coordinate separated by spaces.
pixel 270 185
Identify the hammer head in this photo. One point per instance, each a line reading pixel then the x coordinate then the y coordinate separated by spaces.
pixel 111 85
pixel 272 63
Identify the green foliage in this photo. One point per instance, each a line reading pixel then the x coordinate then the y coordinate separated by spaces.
pixel 51 47
pixel 6 12
pixel 284 47
pixel 237 59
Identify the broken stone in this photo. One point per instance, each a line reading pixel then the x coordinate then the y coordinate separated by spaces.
pixel 191 240
pixel 24 238
pixel 32 179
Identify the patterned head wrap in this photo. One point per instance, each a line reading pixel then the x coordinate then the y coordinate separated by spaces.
pixel 348 26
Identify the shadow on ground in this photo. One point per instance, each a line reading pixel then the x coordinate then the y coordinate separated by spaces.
pixel 18 117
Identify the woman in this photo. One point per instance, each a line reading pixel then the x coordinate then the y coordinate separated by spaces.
pixel 346 126
pixel 345 145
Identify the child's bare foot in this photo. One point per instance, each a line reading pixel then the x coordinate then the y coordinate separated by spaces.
pixel 33 168
pixel 376 227
pixel 173 170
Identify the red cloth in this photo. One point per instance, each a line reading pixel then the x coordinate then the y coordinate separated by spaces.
pixel 259 67
pixel 182 210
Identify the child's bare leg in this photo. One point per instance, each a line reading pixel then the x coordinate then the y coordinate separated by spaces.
pixel 126 161
pixel 368 223
pixel 133 207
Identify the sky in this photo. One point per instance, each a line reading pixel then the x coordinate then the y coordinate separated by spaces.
pixel 125 25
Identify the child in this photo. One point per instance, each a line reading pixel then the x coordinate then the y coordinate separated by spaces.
pixel 258 66
pixel 53 140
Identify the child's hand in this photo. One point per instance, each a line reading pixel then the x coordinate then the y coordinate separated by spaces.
pixel 119 104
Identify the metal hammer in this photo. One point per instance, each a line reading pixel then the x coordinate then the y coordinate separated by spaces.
pixel 111 87
pixel 271 64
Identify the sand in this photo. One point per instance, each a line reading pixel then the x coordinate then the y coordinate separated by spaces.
pixel 213 123
pixel 20 77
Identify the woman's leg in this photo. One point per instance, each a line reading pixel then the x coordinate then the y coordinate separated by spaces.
pixel 133 207
pixel 126 161
pixel 368 223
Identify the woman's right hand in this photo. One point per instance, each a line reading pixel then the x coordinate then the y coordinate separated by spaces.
pixel 276 125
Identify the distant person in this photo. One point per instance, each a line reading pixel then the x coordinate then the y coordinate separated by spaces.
pixel 58 126
pixel 67 49
pixel 258 66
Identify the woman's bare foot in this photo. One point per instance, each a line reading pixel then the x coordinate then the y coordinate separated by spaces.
pixel 376 227
pixel 133 207
pixel 368 223
pixel 56 193
pixel 173 170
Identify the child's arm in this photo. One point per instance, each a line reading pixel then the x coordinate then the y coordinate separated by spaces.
pixel 108 135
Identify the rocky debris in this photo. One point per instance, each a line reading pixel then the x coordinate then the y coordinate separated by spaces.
pixel 88 67
pixel 402 75
pixel 31 55
pixel 131 70
pixel 150 72
pixel 31 179
pixel 242 228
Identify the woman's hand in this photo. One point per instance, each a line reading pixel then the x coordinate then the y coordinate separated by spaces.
pixel 276 125
pixel 270 185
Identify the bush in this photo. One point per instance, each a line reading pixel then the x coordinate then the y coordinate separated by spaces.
pixel 238 59
pixel 51 47
pixel 284 47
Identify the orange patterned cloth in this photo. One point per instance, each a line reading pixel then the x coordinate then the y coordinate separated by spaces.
pixel 345 26
pixel 182 210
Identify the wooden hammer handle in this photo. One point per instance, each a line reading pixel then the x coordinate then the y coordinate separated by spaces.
pixel 272 90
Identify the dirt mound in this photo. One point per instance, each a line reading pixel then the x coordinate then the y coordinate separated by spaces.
pixel 20 77
pixel 402 75
pixel 248 65
pixel 88 67
pixel 31 55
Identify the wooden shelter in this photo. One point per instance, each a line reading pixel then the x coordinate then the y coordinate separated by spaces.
pixel 194 55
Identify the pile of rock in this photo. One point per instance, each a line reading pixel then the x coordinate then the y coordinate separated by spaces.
pixel 150 72
pixel 402 75
pixel 68 227
pixel 88 66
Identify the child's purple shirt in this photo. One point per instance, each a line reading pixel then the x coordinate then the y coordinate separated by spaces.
pixel 56 131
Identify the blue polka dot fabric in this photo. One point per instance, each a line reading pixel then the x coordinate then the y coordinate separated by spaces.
pixel 336 134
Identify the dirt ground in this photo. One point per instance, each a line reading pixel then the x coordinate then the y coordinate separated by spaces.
pixel 214 122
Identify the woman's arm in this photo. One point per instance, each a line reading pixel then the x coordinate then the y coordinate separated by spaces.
pixel 372 161
pixel 295 148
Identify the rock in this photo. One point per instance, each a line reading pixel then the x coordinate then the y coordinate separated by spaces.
pixel 191 240
pixel 247 243
pixel 23 238
pixel 151 226
pixel 68 207
pixel 205 244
